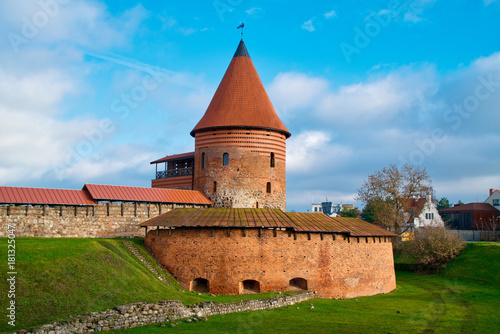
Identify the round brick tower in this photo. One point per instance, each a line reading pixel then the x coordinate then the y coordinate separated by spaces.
pixel 240 142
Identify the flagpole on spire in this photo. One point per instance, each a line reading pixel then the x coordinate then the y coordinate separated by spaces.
pixel 241 26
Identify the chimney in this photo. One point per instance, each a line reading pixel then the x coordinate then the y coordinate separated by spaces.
pixel 492 191
pixel 429 198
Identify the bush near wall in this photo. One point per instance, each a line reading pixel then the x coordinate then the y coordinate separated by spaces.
pixel 431 248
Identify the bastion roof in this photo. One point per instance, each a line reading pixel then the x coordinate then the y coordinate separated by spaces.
pixel 266 218
pixel 241 100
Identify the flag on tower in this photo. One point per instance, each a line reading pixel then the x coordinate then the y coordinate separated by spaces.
pixel 242 25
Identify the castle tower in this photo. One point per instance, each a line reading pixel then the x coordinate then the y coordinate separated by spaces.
pixel 240 142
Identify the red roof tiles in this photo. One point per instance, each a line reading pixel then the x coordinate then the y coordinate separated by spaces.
pixel 415 204
pixel 94 192
pixel 21 195
pixel 267 218
pixel 174 157
pixel 137 194
pixel 241 100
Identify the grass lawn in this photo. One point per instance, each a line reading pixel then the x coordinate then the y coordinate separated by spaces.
pixel 60 278
pixel 102 273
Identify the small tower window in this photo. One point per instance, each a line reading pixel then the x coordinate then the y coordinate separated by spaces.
pixel 268 187
pixel 215 186
pixel 225 159
pixel 272 159
pixel 203 160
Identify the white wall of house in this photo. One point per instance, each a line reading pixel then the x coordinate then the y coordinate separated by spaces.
pixel 316 208
pixel 494 199
pixel 429 216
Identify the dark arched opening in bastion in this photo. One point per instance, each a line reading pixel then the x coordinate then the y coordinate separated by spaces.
pixel 249 286
pixel 199 285
pixel 297 283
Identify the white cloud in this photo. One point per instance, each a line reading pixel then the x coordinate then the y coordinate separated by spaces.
pixel 489 63
pixel 169 23
pixel 82 23
pixel 312 150
pixel 308 25
pixel 104 165
pixel 35 93
pixel 294 90
pixel 31 143
pixel 379 98
pixel 330 14
pixel 416 9
pixel 477 185
pixel 254 11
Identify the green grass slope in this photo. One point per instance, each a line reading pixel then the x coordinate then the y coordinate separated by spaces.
pixel 60 278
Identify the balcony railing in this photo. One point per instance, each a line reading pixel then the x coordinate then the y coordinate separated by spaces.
pixel 165 174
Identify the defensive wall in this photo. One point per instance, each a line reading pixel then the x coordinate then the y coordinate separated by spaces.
pixel 246 260
pixel 103 220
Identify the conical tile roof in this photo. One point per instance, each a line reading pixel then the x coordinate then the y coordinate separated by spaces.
pixel 241 100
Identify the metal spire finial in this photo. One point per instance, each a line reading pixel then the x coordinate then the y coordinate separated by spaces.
pixel 241 26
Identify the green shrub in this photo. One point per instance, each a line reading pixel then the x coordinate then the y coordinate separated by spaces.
pixel 431 248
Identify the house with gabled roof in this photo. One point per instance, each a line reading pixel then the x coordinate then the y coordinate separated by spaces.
pixel 494 198
pixel 422 212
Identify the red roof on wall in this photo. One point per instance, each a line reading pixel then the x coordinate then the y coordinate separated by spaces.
pixel 241 100
pixel 94 192
pixel 21 195
pixel 138 194
pixel 268 218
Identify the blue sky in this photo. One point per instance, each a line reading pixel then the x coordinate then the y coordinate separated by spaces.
pixel 92 91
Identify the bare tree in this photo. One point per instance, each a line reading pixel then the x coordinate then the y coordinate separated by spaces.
pixel 389 191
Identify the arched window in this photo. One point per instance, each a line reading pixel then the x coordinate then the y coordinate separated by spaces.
pixel 215 186
pixel 272 160
pixel 203 160
pixel 268 187
pixel 225 159
pixel 200 285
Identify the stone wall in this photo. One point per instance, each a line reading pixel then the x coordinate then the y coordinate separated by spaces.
pixel 227 261
pixel 105 220
pixel 141 314
pixel 243 182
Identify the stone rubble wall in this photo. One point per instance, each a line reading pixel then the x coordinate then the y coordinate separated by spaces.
pixel 141 314
pixel 104 220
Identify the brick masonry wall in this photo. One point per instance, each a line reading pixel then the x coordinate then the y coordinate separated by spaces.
pixel 140 314
pixel 340 268
pixel 241 184
pixel 105 220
